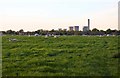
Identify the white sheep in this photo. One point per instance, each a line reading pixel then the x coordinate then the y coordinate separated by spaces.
pixel 13 39
pixel 56 36
pixel 46 36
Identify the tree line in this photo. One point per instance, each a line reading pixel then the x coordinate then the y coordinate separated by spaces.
pixel 94 31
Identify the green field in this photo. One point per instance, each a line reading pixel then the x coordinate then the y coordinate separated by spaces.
pixel 62 56
pixel 0 56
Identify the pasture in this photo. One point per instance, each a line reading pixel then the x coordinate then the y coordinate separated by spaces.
pixel 62 56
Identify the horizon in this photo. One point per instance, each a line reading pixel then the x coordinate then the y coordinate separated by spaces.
pixel 56 29
pixel 32 15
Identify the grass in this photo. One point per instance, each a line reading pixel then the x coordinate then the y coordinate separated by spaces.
pixel 63 56
pixel 0 56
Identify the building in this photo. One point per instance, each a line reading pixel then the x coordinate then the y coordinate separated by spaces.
pixel 88 24
pixel 76 28
pixel 85 29
pixel 71 28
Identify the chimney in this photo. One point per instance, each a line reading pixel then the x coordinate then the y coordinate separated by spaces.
pixel 88 24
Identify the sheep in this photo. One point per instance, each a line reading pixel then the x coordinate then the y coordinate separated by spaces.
pixel 100 35
pixel 36 34
pixel 56 36
pixel 29 35
pixel 46 36
pixel 13 39
pixel 16 40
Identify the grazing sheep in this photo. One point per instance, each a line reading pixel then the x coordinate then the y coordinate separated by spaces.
pixel 46 36
pixel 100 35
pixel 15 40
pixel 36 34
pixel 108 34
pixel 12 39
pixel 56 36
pixel 29 35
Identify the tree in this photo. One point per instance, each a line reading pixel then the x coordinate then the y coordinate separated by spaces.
pixel 52 30
pixel 108 31
pixel 101 32
pixel 3 32
pixel 95 30
pixel 21 30
pixel 10 32
pixel 40 31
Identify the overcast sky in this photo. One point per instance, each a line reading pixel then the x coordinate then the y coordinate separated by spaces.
pixel 53 14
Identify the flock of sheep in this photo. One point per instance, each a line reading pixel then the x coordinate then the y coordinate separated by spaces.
pixel 46 36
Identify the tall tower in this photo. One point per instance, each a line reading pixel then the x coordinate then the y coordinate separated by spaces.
pixel 88 24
